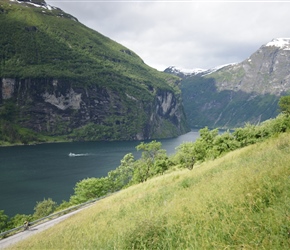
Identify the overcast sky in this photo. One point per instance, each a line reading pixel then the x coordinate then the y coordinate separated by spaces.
pixel 186 34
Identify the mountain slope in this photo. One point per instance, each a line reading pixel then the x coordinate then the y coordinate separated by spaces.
pixel 267 71
pixel 238 201
pixel 242 92
pixel 60 77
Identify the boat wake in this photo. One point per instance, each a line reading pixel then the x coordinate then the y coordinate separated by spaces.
pixel 76 155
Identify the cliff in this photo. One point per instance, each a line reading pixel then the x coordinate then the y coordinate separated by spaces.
pixel 58 77
pixel 267 71
pixel 59 107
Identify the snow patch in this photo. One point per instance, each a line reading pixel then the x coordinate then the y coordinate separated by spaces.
pixel 282 43
pixel 188 71
pixel 198 71
pixel 45 6
pixel 222 66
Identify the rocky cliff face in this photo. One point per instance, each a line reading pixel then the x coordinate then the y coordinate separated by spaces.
pixel 58 107
pixel 232 95
pixel 267 71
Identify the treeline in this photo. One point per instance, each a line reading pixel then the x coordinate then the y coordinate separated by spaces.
pixel 155 161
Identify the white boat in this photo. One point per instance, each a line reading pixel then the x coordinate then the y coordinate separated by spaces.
pixel 74 155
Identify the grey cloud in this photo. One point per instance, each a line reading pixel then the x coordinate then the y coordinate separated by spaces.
pixel 187 35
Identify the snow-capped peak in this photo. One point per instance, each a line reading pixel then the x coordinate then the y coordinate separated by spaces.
pixel 282 43
pixel 195 71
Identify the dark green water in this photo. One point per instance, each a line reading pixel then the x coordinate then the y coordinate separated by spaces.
pixel 32 173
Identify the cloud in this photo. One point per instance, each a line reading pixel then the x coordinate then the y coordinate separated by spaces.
pixel 185 34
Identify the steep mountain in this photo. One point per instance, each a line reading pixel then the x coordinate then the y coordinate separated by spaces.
pixel 58 77
pixel 238 93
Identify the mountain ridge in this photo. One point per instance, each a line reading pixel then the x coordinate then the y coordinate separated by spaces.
pixel 193 72
pixel 241 92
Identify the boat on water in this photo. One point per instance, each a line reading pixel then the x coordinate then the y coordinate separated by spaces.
pixel 74 155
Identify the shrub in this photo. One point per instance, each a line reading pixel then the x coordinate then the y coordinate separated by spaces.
pixel 3 221
pixel 44 208
pixel 88 189
pixel 18 220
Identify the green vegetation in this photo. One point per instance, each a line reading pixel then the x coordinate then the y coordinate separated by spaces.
pixel 228 75
pixel 235 196
pixel 11 134
pixel 284 104
pixel 240 200
pixel 39 47
pixel 44 208
pixel 3 220
pixel 41 43
pixel 205 105
pixel 257 175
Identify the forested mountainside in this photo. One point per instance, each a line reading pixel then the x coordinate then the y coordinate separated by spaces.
pixel 61 78
pixel 238 93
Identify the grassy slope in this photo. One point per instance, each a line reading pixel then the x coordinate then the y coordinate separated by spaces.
pixel 241 200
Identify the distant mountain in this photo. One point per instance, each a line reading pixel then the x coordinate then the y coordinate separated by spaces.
pixel 238 93
pixel 185 73
pixel 58 77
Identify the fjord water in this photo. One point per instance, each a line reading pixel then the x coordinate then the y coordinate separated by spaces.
pixel 32 173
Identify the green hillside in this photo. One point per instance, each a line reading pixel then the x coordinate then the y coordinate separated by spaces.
pixel 238 201
pixel 206 105
pixel 37 42
pixel 61 78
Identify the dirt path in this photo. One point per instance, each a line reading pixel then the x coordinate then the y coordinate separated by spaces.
pixel 4 243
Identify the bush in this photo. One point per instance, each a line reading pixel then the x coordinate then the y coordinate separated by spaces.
pixel 284 104
pixel 90 188
pixel 18 220
pixel 224 143
pixel 185 155
pixel 3 221
pixel 122 175
pixel 147 165
pixel 44 208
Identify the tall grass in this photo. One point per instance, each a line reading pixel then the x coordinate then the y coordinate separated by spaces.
pixel 239 201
